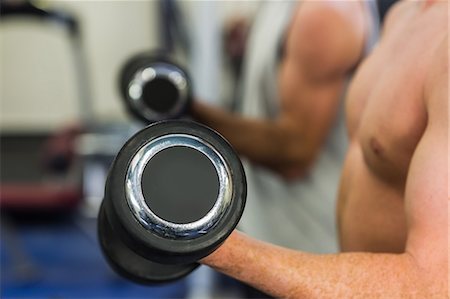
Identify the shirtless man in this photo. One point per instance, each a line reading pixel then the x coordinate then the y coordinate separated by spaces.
pixel 392 209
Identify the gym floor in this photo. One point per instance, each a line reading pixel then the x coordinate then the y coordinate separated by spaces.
pixel 60 258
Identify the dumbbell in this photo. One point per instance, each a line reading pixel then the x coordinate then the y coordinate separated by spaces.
pixel 155 87
pixel 175 192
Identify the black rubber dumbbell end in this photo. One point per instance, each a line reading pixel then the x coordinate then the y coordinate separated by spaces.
pixel 154 87
pixel 174 193
pixel 131 265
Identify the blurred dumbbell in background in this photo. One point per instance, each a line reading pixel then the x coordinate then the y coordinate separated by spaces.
pixel 154 87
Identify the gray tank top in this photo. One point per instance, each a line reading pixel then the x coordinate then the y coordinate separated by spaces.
pixel 300 214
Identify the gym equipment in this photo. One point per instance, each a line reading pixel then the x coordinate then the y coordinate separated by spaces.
pixel 174 193
pixel 31 11
pixel 41 172
pixel 154 87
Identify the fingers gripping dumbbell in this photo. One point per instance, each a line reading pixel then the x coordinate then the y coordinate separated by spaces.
pixel 174 193
pixel 155 88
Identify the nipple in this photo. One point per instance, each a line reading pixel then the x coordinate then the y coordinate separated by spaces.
pixel 376 146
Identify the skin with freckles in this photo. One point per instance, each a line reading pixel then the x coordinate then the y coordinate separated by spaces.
pixel 392 208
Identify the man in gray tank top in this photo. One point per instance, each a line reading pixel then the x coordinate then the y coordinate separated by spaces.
pixel 290 129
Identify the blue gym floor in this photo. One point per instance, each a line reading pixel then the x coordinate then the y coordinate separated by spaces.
pixel 61 259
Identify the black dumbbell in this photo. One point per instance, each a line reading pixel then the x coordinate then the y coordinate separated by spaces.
pixel 154 87
pixel 174 193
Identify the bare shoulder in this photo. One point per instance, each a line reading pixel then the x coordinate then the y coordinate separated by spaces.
pixel 394 15
pixel 436 82
pixel 327 36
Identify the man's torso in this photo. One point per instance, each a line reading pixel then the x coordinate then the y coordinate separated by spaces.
pixel 386 117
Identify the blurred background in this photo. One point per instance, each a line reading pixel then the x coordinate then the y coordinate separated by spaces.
pixel 62 120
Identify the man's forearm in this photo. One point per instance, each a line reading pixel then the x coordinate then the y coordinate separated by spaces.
pixel 266 142
pixel 286 273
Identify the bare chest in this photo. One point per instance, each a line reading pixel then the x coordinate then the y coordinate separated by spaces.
pixel 385 108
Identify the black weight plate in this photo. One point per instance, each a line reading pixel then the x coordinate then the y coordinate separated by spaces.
pixel 131 265
pixel 149 244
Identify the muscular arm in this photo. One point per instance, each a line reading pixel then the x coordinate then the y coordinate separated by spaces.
pixel 322 46
pixel 421 271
